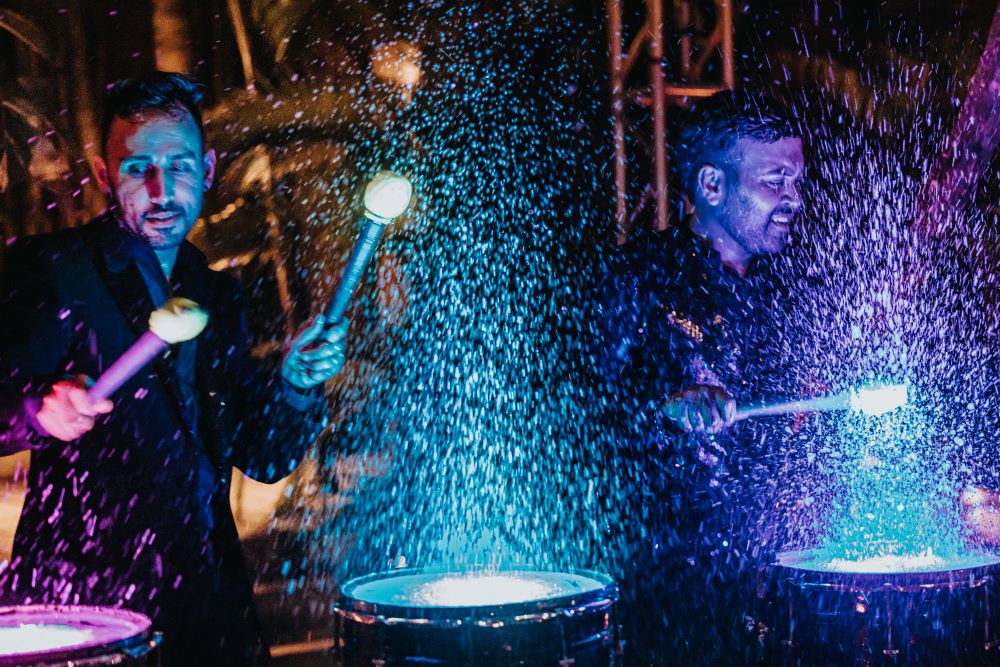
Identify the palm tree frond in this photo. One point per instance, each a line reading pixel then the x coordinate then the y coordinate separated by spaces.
pixel 277 21
pixel 28 33
pixel 4 177
pixel 26 111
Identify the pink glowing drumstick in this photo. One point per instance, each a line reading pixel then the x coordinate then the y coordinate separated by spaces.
pixel 177 321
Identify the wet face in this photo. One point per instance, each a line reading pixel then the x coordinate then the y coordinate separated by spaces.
pixel 762 195
pixel 157 171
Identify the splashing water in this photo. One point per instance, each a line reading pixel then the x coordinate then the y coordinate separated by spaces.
pixel 480 437
pixel 900 500
pixel 478 421
pixel 878 299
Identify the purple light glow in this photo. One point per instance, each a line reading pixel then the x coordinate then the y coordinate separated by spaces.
pixel 36 629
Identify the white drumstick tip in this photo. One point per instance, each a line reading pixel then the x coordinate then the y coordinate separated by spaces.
pixel 879 399
pixel 178 320
pixel 387 196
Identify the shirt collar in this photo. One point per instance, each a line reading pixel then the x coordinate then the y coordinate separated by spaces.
pixel 120 246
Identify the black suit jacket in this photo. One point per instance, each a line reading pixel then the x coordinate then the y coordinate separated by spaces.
pixel 136 512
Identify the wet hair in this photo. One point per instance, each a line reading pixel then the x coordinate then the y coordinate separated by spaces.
pixel 162 92
pixel 717 123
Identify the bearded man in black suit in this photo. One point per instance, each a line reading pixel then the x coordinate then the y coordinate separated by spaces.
pixel 128 503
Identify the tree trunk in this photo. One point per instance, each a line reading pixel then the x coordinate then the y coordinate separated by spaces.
pixel 172 36
pixel 87 123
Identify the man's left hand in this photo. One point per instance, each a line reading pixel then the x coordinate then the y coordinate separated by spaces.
pixel 701 408
pixel 316 355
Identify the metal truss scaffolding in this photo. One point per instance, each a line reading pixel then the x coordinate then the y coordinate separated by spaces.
pixel 700 53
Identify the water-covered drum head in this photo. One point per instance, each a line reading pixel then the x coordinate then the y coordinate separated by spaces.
pixel 477 616
pixel 430 590
pixel 47 632
pixel 898 572
pixel 472 589
pixel 924 561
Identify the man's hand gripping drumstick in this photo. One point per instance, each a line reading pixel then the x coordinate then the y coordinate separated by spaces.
pixel 316 354
pixel 69 409
pixel 67 412
pixel 701 408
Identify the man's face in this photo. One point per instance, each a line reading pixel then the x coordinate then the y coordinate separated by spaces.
pixel 158 173
pixel 762 194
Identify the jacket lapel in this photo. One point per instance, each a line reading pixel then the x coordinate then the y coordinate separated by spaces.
pixel 124 281
pixel 122 277
pixel 190 280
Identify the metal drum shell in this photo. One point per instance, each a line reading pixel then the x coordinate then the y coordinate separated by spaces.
pixel 140 649
pixel 580 628
pixel 820 617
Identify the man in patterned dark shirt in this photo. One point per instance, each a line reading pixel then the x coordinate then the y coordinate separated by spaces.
pixel 690 335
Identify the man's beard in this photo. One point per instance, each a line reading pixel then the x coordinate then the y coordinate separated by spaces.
pixel 157 237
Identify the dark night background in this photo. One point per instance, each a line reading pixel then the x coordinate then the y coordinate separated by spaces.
pixel 296 152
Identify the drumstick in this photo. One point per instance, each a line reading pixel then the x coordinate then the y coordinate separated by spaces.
pixel 873 401
pixel 177 321
pixel 386 197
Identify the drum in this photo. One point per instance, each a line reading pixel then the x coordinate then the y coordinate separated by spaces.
pixel 811 613
pixel 56 636
pixel 420 617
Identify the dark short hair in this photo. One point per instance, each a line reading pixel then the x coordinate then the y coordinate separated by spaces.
pixel 717 123
pixel 166 92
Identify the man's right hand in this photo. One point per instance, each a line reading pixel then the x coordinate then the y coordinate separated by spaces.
pixel 67 412
pixel 701 408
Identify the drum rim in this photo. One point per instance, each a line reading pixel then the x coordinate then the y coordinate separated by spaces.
pixel 352 607
pixel 84 650
pixel 866 581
